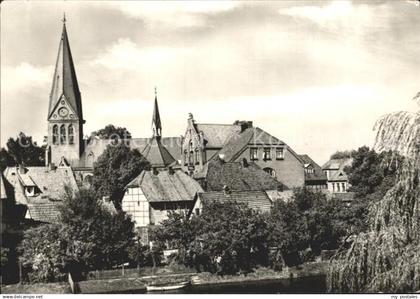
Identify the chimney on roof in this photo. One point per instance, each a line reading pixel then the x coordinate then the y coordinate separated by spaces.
pixel 244 162
pixel 21 169
pixel 171 170
pixel 222 157
pixel 155 171
pixel 244 124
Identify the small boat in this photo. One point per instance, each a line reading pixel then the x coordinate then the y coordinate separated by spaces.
pixel 164 288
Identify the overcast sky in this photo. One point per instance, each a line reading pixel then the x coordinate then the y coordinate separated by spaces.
pixel 315 74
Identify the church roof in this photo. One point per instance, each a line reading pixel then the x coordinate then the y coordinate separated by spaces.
pixel 257 200
pixel 157 154
pixel 166 185
pixel 65 80
pixel 216 135
pixel 97 146
pixel 237 176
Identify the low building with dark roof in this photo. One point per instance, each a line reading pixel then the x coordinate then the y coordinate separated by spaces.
pixel 39 190
pixel 237 176
pixel 315 177
pixel 257 200
pixel 154 193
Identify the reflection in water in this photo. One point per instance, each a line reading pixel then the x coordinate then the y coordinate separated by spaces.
pixel 307 285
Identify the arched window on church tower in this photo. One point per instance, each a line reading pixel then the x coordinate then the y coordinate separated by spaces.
pixel 71 134
pixel 55 134
pixel 63 135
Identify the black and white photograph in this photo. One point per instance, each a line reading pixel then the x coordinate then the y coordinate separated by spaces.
pixel 210 147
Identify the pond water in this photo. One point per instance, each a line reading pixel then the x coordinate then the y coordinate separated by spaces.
pixel 304 285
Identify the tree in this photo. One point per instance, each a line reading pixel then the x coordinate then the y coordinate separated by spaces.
pixel 386 257
pixel 96 238
pixel 209 242
pixel 43 254
pixel 22 150
pixel 89 237
pixel 308 221
pixel 341 155
pixel 114 169
pixel 6 159
pixel 372 174
pixel 112 132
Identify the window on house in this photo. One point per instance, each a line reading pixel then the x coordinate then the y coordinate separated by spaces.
pixel 333 186
pixel 190 159
pixel 338 187
pixel 279 153
pixel 71 134
pixel 343 187
pixel 253 153
pixel 267 153
pixel 63 134
pixel 197 212
pixel 55 134
pixel 197 157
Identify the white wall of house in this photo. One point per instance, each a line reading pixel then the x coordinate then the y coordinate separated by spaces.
pixel 338 186
pixel 135 204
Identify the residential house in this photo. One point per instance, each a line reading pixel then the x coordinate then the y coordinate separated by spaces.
pixel 39 190
pixel 337 178
pixel 154 193
pixel 204 142
pixel 257 200
pixel 315 178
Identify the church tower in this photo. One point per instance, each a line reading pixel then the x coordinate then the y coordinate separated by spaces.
pixel 65 118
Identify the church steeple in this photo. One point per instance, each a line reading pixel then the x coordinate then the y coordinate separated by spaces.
pixel 65 117
pixel 156 123
pixel 65 79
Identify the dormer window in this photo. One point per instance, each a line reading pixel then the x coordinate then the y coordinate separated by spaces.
pixel 30 191
pixel 279 153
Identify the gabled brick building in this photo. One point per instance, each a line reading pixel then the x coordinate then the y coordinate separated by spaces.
pixel 204 142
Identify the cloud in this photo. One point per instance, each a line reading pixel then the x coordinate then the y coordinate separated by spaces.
pixel 174 13
pixel 24 77
pixel 337 15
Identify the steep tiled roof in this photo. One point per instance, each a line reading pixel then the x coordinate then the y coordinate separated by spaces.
pixel 336 168
pixel 238 143
pixel 257 200
pixel 335 164
pixel 216 135
pixel 275 195
pixel 318 174
pixel 49 185
pixel 165 186
pixel 237 176
pixel 44 212
pixel 157 154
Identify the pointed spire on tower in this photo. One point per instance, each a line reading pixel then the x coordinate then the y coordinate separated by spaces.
pixel 65 79
pixel 156 124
